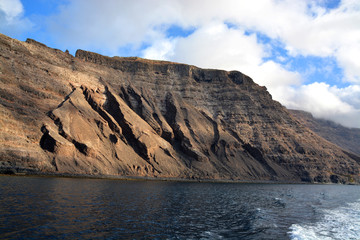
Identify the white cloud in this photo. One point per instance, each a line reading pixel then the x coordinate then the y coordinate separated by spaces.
pixel 161 50
pixel 274 75
pixel 348 59
pixel 350 95
pixel 303 26
pixel 323 101
pixel 335 33
pixel 217 46
pixel 11 17
pixel 110 24
pixel 11 8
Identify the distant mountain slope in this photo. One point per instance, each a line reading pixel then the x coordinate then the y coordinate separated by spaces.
pixel 347 138
pixel 96 115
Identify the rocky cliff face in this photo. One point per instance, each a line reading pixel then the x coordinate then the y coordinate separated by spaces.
pixel 346 138
pixel 97 115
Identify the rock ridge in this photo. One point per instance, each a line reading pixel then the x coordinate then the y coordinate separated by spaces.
pixel 114 116
pixel 346 138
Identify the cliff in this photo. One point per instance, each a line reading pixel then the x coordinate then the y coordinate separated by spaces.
pixel 344 137
pixel 97 115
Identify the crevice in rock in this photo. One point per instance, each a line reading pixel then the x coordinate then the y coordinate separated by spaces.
pixel 47 142
pixel 157 119
pixel 81 147
pixel 180 140
pixel 167 152
pixel 135 101
pixel 236 136
pixel 66 98
pixel 142 107
pixel 112 125
pixel 192 133
pixel 257 155
pixel 113 138
pixel 214 145
pixel 125 96
pixel 171 111
pixel 113 108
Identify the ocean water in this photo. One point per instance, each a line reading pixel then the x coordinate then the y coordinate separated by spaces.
pixel 69 208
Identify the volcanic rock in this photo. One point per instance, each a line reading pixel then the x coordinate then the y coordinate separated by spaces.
pixel 344 137
pixel 113 116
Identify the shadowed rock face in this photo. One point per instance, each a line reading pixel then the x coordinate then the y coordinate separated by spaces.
pixel 347 138
pixel 96 115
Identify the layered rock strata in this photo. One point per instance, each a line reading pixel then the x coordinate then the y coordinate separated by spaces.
pixel 344 137
pixel 103 116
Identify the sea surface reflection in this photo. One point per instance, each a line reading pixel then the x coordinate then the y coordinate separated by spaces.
pixel 70 208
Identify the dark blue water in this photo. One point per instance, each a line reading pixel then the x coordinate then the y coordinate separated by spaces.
pixel 65 208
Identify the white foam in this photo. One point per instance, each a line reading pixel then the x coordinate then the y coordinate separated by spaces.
pixel 211 235
pixel 340 223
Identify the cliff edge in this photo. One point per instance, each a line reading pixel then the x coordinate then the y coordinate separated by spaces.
pixel 102 116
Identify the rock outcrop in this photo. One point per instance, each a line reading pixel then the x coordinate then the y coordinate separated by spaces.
pixel 97 115
pixel 344 137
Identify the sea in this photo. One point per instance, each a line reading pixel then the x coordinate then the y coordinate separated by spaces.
pixel 75 208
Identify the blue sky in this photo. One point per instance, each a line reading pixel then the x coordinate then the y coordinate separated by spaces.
pixel 304 51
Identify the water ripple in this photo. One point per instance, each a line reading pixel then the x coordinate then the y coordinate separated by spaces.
pixel 58 208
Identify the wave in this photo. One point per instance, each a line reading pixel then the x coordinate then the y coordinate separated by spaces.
pixel 339 223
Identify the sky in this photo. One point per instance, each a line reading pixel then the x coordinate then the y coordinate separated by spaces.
pixel 306 52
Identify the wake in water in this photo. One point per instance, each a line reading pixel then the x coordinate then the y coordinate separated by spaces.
pixel 340 223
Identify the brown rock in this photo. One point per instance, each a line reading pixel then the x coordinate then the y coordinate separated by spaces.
pixel 346 138
pixel 97 115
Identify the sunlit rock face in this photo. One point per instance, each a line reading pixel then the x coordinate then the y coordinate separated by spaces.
pixel 97 115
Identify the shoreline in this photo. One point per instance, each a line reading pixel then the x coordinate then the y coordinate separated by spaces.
pixel 156 179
